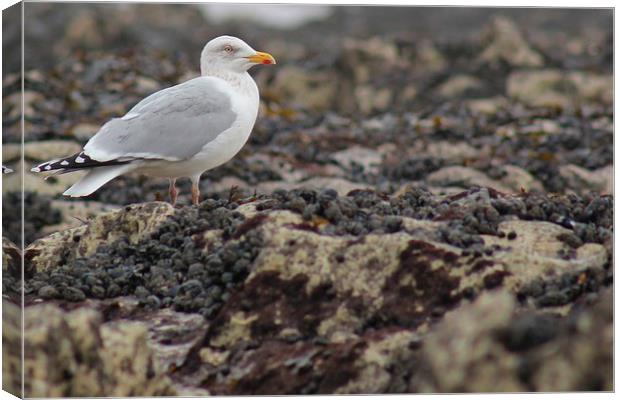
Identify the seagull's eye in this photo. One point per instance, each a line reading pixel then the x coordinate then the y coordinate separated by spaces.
pixel 228 49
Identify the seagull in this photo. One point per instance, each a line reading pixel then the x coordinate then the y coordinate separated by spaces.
pixel 179 132
pixel 6 170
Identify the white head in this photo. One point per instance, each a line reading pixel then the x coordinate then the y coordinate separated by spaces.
pixel 232 54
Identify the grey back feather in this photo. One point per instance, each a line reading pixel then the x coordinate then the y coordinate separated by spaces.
pixel 172 124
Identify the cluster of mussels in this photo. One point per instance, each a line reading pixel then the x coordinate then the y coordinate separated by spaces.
pixel 469 214
pixel 173 268
pixel 170 268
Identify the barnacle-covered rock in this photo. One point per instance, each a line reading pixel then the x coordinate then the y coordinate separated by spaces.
pixel 307 280
pixel 76 354
pixel 132 223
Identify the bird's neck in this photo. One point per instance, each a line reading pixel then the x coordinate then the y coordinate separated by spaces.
pixel 241 81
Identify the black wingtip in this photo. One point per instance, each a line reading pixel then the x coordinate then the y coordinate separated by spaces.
pixel 73 163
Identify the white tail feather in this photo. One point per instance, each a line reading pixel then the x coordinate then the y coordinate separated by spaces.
pixel 96 178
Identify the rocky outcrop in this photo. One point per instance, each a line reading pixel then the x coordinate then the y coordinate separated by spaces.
pixel 311 292
pixel 490 345
pixel 107 227
pixel 75 354
pixel 12 367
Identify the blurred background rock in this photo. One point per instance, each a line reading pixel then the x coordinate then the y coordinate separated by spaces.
pixel 54 31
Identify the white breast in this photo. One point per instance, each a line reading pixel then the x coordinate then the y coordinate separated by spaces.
pixel 244 101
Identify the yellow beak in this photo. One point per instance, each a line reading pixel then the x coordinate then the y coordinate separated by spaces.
pixel 262 58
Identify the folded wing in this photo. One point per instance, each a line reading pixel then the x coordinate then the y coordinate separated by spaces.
pixel 173 124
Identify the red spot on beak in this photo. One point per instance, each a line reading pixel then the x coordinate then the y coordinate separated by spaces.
pixel 262 58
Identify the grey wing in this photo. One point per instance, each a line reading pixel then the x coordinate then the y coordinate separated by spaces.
pixel 172 124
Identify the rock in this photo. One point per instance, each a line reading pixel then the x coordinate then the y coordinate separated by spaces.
pixel 342 186
pixel 593 87
pixel 513 179
pixel 464 177
pixel 146 85
pixel 295 257
pixel 172 336
pixel 35 182
pixel 80 29
pixel 380 124
pixel 226 183
pixel 555 88
pixel 451 152
pixel 368 159
pixel 275 165
pixel 545 126
pixel 375 51
pixel 336 289
pixel 74 354
pixel 133 223
pixel 362 61
pixel 14 103
pixel 518 179
pixel 12 79
pixel 321 368
pixel 50 149
pixel 475 336
pixel 12 366
pixel 428 57
pixel 312 90
pixel 462 353
pixel 11 152
pixel 75 213
pixel 437 190
pixel 536 255
pixel 603 123
pixel 581 180
pixel 128 361
pixel 84 131
pixel 408 94
pixel 488 106
pixel 289 274
pixel 384 354
pixel 562 363
pixel 430 124
pixel 540 88
pixel 364 56
pixel 11 258
pixel 504 43
pixel 458 85
pixel 370 99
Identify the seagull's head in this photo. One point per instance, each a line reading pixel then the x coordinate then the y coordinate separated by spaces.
pixel 233 54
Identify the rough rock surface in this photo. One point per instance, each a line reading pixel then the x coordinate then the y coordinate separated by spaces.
pixel 306 291
pixel 74 354
pixel 491 345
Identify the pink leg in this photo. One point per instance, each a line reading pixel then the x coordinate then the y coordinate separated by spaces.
pixel 173 191
pixel 195 193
